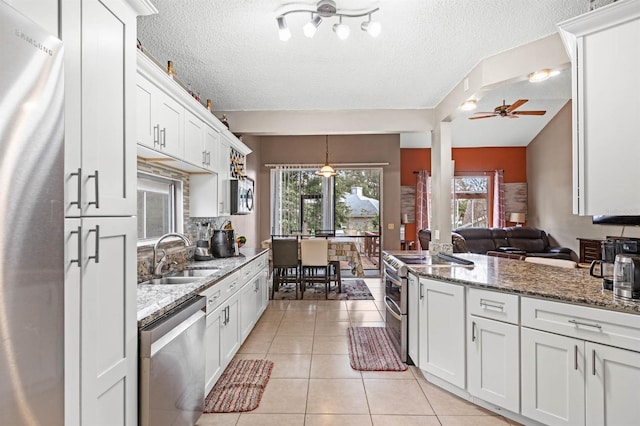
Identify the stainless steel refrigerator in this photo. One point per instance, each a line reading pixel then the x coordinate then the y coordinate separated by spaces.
pixel 31 223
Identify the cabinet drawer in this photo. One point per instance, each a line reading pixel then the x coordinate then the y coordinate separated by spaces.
pixel 221 291
pixel 596 325
pixel 493 304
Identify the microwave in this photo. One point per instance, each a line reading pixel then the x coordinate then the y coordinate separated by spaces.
pixel 241 195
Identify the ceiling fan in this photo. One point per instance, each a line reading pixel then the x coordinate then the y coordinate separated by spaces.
pixel 505 110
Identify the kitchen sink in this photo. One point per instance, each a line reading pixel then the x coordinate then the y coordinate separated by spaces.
pixel 171 280
pixel 199 272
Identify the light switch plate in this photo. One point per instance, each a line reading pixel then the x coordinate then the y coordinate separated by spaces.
pixel 391 226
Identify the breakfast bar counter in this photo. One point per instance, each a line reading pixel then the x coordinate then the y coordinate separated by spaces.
pixel 526 279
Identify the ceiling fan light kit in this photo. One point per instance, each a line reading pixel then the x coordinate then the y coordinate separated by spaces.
pixel 327 9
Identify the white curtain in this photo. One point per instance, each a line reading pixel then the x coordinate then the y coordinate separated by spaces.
pixel 423 201
pixel 498 200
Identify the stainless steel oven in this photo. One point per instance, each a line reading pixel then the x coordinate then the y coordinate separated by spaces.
pixel 395 301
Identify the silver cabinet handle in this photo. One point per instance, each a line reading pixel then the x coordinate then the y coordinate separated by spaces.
pixel 163 137
pixel 593 362
pixel 586 324
pixel 575 357
pixel 204 158
pixel 257 286
pixel 79 174
pixel 473 331
pixel 96 186
pixel 79 259
pixel 492 305
pixel 156 135
pixel 421 291
pixel 208 158
pixel 96 254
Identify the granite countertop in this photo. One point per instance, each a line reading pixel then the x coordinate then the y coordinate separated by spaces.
pixel 527 279
pixel 155 301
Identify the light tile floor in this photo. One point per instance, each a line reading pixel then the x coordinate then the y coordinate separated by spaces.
pixel 313 384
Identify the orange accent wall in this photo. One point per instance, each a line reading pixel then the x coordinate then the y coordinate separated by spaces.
pixel 513 160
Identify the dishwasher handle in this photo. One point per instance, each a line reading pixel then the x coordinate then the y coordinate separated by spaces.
pixel 171 327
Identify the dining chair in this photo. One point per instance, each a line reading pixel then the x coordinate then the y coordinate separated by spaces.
pixel 286 266
pixel 314 261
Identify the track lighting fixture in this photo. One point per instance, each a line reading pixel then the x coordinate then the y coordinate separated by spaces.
pixel 327 9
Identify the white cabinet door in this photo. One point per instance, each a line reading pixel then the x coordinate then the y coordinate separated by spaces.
pixel 72 304
pixel 224 202
pixel 108 109
pixel 262 299
pixel 211 148
pixel 212 348
pixel 170 119
pixel 230 331
pixel 612 380
pixel 442 331
pixel 414 318
pixel 194 137
pixel 493 362
pixel 108 330
pixel 247 307
pixel 605 58
pixel 147 127
pixel 552 377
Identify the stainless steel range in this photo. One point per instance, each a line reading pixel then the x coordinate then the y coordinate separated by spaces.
pixel 397 290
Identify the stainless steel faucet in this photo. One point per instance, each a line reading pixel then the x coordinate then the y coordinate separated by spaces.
pixel 157 269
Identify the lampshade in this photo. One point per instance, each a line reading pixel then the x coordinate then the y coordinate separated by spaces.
pixel 326 170
pixel 518 218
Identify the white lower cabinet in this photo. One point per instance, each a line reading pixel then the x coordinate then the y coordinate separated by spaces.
pixel 612 380
pixel 442 330
pixel 553 369
pixel 493 362
pixel 237 301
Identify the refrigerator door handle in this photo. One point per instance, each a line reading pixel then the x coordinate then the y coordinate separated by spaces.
pixel 79 201
pixel 96 255
pixel 96 185
pixel 79 259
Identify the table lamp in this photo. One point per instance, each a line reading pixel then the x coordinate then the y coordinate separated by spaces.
pixel 518 218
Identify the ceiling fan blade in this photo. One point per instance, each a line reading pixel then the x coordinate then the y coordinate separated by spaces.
pixel 511 116
pixel 516 104
pixel 485 112
pixel 483 116
pixel 529 112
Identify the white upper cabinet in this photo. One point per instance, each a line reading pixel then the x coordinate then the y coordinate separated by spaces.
pixel 605 58
pixel 173 126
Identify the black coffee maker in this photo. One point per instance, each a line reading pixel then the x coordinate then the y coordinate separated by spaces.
pixel 611 247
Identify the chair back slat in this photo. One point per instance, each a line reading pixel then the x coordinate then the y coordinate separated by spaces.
pixel 284 252
pixel 314 252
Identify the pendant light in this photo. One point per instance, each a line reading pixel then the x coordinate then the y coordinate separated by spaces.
pixel 326 170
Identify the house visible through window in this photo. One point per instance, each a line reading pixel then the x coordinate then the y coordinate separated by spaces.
pixel 470 201
pixel 157 212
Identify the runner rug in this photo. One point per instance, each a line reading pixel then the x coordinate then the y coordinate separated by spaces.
pixel 370 349
pixel 240 387
pixel 352 289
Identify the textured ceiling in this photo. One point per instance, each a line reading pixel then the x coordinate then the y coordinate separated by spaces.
pixel 230 52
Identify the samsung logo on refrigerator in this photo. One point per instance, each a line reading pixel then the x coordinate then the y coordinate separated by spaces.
pixel 35 43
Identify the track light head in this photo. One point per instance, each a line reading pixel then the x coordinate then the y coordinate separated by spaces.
pixel 373 28
pixel 311 27
pixel 342 30
pixel 283 30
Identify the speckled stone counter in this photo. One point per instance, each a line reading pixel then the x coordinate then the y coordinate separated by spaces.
pixel 155 301
pixel 527 279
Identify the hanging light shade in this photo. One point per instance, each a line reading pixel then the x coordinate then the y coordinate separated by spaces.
pixel 326 170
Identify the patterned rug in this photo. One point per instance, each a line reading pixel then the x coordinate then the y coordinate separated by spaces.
pixel 352 289
pixel 370 349
pixel 240 387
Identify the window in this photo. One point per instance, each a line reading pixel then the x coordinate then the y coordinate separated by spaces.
pixel 157 205
pixel 470 201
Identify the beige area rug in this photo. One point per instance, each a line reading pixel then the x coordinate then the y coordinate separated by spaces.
pixel 240 387
pixel 370 349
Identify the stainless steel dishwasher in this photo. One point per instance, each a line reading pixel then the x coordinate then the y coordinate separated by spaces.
pixel 172 368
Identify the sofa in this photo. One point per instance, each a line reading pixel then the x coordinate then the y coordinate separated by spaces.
pixel 516 239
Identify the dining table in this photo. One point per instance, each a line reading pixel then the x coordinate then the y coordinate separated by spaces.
pixel 340 249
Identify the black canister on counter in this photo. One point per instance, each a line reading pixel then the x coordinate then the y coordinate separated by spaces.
pixel 223 243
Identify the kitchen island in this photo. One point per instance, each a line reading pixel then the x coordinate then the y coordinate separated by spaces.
pixel 539 344
pixel 156 301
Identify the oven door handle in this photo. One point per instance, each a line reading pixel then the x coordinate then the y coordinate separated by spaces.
pixel 392 279
pixel 393 308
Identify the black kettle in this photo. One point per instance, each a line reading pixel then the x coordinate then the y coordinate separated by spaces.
pixel 223 243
